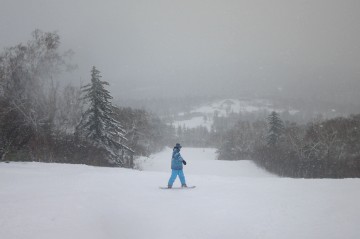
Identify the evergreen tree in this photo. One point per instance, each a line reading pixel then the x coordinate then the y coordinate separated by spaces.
pixel 276 129
pixel 226 151
pixel 98 125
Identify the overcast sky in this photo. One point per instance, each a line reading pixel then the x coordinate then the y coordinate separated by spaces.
pixel 187 47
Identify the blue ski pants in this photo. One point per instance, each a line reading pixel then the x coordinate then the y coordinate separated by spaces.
pixel 174 174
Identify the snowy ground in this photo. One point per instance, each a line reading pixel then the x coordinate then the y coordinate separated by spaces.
pixel 202 161
pixel 232 200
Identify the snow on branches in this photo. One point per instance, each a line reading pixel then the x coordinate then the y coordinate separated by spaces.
pixel 98 124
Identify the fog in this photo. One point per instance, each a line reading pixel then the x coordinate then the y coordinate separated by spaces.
pixel 203 47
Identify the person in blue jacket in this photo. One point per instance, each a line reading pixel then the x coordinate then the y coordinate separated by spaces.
pixel 177 167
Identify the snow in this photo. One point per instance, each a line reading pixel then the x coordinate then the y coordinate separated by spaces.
pixel 231 200
pixel 203 162
pixel 226 106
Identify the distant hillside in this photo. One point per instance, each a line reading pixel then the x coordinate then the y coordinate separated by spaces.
pixel 204 115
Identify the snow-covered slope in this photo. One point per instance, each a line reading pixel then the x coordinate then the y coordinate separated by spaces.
pixel 42 201
pixel 203 162
pixel 226 106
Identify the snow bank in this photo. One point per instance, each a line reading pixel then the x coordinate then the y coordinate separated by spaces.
pixel 42 201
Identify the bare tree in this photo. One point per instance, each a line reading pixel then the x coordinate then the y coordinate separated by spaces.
pixel 27 87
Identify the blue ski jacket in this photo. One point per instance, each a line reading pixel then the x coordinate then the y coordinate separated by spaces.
pixel 177 160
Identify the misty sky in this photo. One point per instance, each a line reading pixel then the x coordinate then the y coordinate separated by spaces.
pixel 186 47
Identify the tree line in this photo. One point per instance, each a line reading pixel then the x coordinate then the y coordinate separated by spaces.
pixel 319 149
pixel 41 121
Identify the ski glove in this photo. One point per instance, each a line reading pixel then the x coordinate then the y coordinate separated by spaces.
pixel 184 162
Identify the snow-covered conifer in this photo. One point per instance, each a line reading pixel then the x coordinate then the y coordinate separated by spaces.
pixel 98 125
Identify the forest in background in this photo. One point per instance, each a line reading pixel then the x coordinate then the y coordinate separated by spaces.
pixel 41 121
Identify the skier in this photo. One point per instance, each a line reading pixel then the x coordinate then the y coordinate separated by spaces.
pixel 177 167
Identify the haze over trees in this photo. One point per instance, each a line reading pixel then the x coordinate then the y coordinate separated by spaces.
pixel 320 149
pixel 43 121
pixel 29 94
pixel 39 119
